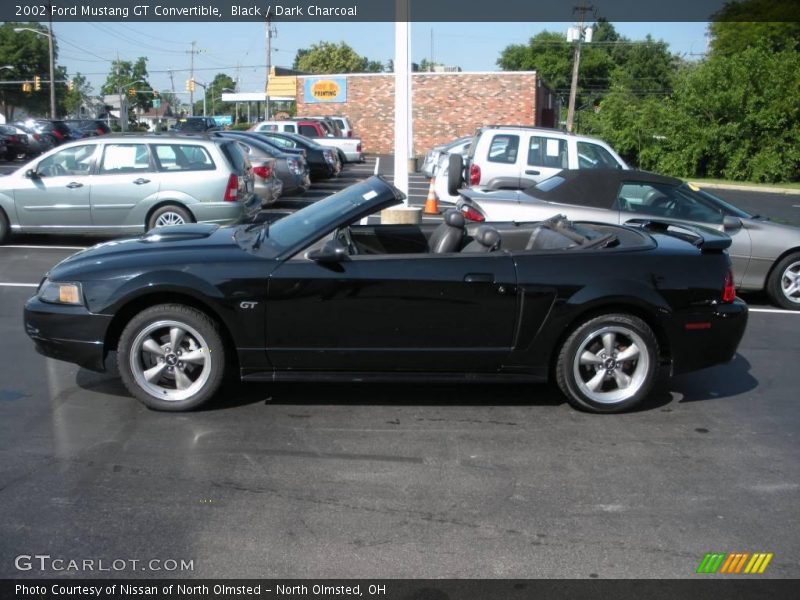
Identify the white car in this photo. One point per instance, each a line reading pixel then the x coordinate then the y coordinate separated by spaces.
pixel 433 159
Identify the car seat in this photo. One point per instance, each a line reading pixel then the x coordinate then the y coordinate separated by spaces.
pixel 485 239
pixel 449 235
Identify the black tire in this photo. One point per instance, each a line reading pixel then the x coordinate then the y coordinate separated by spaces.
pixel 171 384
pixel 782 272
pixel 577 377
pixel 455 174
pixel 167 212
pixel 5 228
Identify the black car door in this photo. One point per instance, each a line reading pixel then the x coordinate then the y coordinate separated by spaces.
pixel 415 312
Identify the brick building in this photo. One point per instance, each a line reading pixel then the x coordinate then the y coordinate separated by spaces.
pixel 445 105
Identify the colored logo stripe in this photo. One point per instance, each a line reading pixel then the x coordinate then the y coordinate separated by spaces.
pixel 733 563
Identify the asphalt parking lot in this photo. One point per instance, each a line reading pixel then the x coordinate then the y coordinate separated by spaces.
pixel 362 480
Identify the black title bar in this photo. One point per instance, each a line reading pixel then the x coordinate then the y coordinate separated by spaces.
pixel 387 10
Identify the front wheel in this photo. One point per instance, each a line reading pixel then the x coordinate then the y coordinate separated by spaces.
pixel 171 357
pixel 608 364
pixel 783 285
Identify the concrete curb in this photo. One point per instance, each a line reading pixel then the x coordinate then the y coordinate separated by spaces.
pixel 746 188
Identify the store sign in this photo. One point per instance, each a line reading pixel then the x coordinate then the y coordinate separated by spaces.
pixel 325 89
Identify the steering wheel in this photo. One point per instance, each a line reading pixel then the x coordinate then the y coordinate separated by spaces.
pixel 343 235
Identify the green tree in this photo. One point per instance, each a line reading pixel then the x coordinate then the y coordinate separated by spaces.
pixel 75 98
pixel 736 116
pixel 124 75
pixel 327 57
pixel 27 53
pixel 221 83
pixel 744 24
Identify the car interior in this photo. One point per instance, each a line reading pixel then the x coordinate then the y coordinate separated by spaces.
pixel 454 235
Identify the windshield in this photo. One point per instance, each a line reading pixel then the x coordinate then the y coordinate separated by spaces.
pixel 311 223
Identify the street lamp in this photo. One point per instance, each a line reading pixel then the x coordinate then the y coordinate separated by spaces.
pixel 49 36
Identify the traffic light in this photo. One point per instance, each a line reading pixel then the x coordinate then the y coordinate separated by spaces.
pixel 37 83
pixel 131 92
pixel 27 87
pixel 71 85
pixel 190 85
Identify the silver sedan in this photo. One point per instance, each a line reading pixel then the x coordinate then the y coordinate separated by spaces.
pixel 765 254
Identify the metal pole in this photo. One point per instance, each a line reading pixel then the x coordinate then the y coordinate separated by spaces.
pixel 402 96
pixel 191 76
pixel 52 69
pixel 269 67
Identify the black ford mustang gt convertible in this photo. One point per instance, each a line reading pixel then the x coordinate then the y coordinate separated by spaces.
pixel 324 295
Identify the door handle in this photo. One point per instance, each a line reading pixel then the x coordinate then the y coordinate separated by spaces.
pixel 74 184
pixel 141 181
pixel 479 278
pixel 532 172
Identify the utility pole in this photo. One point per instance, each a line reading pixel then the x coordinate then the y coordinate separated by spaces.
pixel 191 76
pixel 271 31
pixel 172 87
pixel 51 58
pixel 573 90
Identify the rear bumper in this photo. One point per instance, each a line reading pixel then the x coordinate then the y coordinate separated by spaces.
pixel 708 337
pixel 68 333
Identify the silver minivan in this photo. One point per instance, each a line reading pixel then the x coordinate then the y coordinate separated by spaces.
pixel 121 184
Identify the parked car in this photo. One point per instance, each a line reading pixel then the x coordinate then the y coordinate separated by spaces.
pixel 765 255
pixel 15 142
pixel 349 149
pixel 291 169
pixel 344 125
pixel 127 184
pixel 599 308
pixel 37 142
pixel 55 129
pixel 330 126
pixel 430 165
pixel 515 157
pixel 197 124
pixel 97 126
pixel 323 162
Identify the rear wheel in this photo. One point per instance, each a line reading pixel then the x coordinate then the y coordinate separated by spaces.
pixel 608 364
pixel 171 357
pixel 167 216
pixel 783 285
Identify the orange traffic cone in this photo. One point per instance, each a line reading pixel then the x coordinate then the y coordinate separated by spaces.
pixel 431 203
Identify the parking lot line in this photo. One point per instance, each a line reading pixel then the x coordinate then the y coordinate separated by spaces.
pixel 779 311
pixel 4 284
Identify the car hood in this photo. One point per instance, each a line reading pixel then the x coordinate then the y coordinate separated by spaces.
pixel 160 246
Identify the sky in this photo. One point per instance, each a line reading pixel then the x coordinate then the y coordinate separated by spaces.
pixel 89 48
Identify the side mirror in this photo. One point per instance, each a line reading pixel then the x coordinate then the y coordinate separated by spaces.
pixel 31 174
pixel 731 223
pixel 332 251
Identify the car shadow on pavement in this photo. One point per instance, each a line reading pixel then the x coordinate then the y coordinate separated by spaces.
pixel 715 383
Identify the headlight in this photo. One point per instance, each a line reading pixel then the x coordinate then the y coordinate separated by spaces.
pixel 61 293
pixel 328 154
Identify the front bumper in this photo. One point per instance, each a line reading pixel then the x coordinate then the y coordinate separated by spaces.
pixel 708 337
pixel 68 333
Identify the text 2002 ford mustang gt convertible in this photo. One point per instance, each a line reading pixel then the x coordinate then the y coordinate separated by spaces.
pixel 318 296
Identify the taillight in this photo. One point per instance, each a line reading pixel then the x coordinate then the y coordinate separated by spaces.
pixel 474 174
pixel 265 172
pixel 728 291
pixel 57 135
pixel 472 215
pixel 232 189
pixel 350 133
pixel 358 147
pixel 99 131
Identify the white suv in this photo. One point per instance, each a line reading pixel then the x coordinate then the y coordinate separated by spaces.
pixel 516 157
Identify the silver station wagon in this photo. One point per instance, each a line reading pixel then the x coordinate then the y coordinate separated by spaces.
pixel 121 184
